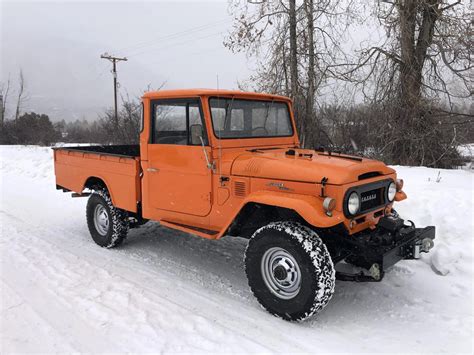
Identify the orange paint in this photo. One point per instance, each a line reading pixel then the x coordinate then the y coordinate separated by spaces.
pixel 173 183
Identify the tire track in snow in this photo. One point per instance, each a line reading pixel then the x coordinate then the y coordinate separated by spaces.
pixel 22 330
pixel 74 332
pixel 417 311
pixel 190 301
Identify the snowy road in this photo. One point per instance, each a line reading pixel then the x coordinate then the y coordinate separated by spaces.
pixel 165 291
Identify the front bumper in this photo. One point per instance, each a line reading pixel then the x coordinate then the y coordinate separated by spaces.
pixel 390 242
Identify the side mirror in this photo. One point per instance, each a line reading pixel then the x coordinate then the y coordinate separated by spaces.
pixel 195 131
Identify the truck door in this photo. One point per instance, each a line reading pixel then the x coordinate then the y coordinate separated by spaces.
pixel 178 177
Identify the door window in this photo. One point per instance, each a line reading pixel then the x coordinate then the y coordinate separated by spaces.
pixel 178 122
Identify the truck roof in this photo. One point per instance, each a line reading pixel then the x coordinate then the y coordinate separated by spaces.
pixel 211 92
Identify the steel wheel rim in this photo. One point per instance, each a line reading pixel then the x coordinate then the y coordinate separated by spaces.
pixel 101 220
pixel 281 273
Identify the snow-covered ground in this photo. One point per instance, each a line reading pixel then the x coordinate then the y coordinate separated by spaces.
pixel 165 291
pixel 466 150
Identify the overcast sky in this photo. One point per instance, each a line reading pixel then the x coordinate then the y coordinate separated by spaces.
pixel 58 45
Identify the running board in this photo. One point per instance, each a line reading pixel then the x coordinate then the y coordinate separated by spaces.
pixel 84 194
pixel 202 232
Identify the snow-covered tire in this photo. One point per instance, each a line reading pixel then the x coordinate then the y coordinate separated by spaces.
pixel 274 250
pixel 107 224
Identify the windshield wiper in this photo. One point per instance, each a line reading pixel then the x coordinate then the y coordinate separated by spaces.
pixel 228 112
pixel 267 113
pixel 339 155
pixel 255 150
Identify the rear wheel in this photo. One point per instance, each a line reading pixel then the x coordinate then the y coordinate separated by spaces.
pixel 107 224
pixel 289 270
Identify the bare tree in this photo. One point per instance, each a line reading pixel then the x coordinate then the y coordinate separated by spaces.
pixel 126 129
pixel 422 64
pixel 311 89
pixel 296 44
pixel 293 49
pixel 4 91
pixel 21 95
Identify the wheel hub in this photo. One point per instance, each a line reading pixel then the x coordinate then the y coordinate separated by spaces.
pixel 281 273
pixel 101 220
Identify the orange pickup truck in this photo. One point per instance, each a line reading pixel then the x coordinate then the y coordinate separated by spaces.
pixel 220 163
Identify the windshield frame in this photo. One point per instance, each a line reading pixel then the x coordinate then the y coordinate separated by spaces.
pixel 270 101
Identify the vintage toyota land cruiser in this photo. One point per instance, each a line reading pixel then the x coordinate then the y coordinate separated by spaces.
pixel 220 163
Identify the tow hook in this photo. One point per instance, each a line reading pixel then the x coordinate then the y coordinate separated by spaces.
pixel 375 272
pixel 427 244
pixel 423 246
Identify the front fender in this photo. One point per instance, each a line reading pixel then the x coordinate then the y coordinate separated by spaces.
pixel 310 208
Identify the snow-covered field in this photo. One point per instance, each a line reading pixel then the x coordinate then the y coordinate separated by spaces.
pixel 165 291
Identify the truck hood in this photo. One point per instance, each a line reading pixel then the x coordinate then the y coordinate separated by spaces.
pixel 312 166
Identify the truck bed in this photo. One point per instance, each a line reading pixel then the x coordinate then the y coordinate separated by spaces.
pixel 130 151
pixel 118 166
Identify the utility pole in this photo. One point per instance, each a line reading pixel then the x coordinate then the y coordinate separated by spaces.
pixel 114 61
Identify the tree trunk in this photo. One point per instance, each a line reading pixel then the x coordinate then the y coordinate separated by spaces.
pixel 20 95
pixel 309 125
pixel 294 66
pixel 1 111
pixel 413 54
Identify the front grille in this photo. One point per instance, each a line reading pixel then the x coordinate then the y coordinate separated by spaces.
pixel 371 199
pixel 372 196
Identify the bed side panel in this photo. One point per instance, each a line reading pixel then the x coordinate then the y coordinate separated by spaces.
pixel 120 174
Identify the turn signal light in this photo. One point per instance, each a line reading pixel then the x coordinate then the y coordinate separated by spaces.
pixel 399 184
pixel 329 204
pixel 352 224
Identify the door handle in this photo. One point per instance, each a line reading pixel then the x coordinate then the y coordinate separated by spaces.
pixel 152 170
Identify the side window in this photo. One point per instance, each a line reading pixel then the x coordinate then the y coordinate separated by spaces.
pixel 170 123
pixel 178 122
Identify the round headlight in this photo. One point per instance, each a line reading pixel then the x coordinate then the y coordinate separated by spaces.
pixel 353 203
pixel 392 190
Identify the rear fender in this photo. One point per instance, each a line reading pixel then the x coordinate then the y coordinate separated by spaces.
pixel 119 200
pixel 93 180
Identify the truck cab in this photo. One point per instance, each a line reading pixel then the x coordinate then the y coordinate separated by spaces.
pixel 190 142
pixel 220 163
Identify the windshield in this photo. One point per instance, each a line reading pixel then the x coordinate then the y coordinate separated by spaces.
pixel 237 118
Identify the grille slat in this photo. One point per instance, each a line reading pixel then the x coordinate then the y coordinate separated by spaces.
pixel 373 196
pixel 371 199
pixel 240 189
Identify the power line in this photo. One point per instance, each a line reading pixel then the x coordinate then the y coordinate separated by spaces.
pixel 191 54
pixel 177 44
pixel 114 61
pixel 175 35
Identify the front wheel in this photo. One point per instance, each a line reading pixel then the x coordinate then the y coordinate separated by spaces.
pixel 107 224
pixel 289 270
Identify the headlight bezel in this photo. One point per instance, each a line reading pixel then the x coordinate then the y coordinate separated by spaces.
pixel 348 205
pixel 391 189
pixel 360 190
